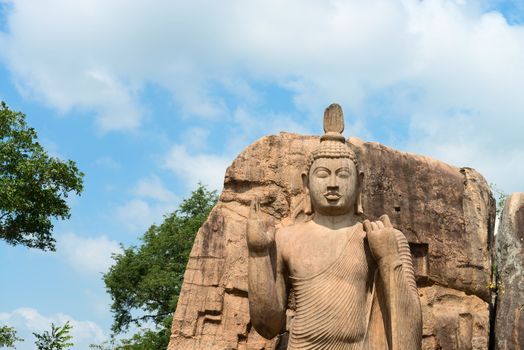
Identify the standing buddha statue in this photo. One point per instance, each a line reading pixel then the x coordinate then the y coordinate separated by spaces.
pixel 353 281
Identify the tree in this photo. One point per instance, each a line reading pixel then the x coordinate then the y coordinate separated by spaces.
pixel 148 339
pixel 58 339
pixel 500 200
pixel 145 281
pixel 33 185
pixel 8 337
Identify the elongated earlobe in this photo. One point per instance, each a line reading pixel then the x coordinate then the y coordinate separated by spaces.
pixel 358 205
pixel 359 210
pixel 308 208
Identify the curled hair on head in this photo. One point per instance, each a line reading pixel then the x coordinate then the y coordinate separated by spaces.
pixel 331 149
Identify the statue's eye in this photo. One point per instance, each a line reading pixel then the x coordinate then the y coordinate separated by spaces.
pixel 343 174
pixel 321 173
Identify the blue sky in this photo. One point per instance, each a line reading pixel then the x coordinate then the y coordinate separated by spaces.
pixel 151 97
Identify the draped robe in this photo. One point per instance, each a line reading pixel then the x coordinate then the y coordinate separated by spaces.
pixel 343 307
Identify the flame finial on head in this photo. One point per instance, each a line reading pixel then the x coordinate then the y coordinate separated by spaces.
pixel 333 119
pixel 332 143
pixel 333 124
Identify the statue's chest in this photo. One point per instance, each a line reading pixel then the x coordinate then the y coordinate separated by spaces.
pixel 314 255
pixel 332 305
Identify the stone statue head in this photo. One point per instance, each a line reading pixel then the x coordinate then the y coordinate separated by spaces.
pixel 332 180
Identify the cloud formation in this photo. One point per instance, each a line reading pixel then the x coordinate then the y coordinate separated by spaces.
pixel 91 255
pixel 194 168
pixel 152 187
pixel 152 200
pixel 439 77
pixel 27 320
pixel 137 214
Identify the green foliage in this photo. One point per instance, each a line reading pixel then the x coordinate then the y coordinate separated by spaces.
pixel 33 185
pixel 8 337
pixel 149 339
pixel 107 345
pixel 500 198
pixel 58 339
pixel 147 279
pixel 143 340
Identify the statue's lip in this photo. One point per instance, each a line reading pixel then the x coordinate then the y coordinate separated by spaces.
pixel 332 196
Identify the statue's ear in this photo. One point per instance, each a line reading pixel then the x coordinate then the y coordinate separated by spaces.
pixel 358 203
pixel 360 179
pixel 305 181
pixel 308 208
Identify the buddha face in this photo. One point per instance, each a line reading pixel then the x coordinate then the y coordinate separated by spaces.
pixel 333 185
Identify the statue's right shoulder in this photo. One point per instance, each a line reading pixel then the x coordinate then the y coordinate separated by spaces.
pixel 287 238
pixel 290 234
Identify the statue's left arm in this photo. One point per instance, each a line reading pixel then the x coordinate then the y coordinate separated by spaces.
pixel 403 315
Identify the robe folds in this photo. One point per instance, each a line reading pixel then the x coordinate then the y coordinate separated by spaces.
pixel 344 307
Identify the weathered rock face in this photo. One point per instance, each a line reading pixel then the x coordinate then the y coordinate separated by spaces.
pixel 446 213
pixel 509 322
pixel 453 319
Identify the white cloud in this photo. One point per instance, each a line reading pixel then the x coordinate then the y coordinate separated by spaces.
pixel 152 201
pixel 471 69
pixel 196 138
pixel 100 303
pixel 425 64
pixel 152 187
pixel 108 162
pixel 249 124
pixel 138 214
pixel 193 168
pixel 28 320
pixel 135 214
pixel 87 254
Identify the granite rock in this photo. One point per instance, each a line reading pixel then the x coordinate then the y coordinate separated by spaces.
pixel 447 214
pixel 509 321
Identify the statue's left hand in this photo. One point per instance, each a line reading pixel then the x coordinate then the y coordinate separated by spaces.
pixel 381 238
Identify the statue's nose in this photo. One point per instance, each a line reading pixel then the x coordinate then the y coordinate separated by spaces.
pixel 333 181
pixel 332 184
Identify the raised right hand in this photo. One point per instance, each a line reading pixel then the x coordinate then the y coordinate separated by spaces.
pixel 260 235
pixel 381 238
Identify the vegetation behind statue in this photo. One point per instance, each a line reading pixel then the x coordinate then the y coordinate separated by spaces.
pixel 145 281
